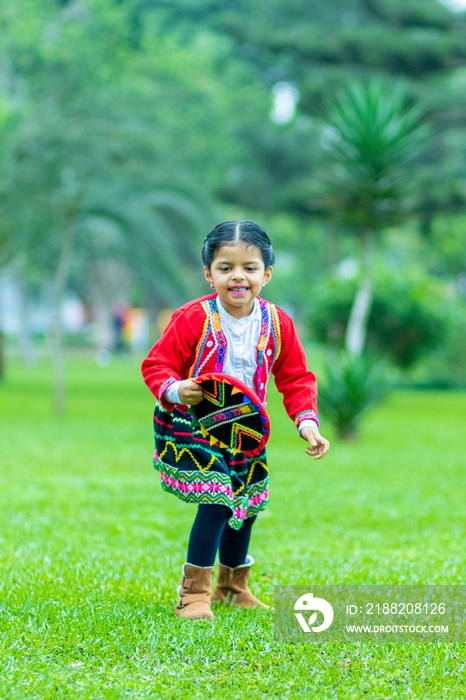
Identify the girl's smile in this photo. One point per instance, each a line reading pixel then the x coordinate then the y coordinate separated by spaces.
pixel 238 275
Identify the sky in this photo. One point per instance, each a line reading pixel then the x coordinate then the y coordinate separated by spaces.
pixel 455 4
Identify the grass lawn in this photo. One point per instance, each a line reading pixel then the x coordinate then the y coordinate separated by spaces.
pixel 91 549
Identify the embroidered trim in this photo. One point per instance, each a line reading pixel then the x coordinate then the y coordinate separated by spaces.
pixel 250 505
pixel 202 341
pixel 249 471
pixel 220 337
pixel 306 415
pixel 228 415
pixel 213 487
pixel 165 385
pixel 276 333
pixel 261 358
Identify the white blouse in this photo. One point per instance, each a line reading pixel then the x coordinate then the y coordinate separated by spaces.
pixel 242 335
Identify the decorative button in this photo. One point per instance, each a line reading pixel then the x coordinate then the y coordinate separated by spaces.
pixel 209 343
pixel 269 352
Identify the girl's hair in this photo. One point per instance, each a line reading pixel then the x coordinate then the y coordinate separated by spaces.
pixel 245 232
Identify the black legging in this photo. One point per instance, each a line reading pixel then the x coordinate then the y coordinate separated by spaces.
pixel 210 532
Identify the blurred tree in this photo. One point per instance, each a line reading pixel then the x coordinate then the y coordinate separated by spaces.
pixel 8 116
pixel 317 47
pixel 124 98
pixel 410 314
pixel 88 147
pixel 372 142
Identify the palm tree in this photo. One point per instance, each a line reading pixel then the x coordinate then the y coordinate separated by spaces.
pixel 140 233
pixel 373 137
pixel 65 195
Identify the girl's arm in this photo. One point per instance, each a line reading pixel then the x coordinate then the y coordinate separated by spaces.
pixel 166 359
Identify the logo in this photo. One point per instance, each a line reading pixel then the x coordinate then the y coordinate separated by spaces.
pixel 308 603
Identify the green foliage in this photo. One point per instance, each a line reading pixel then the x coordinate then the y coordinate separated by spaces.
pixel 118 103
pixel 352 386
pixel 374 137
pixel 446 365
pixel 321 46
pixel 409 317
pixel 100 146
pixel 8 122
pixel 405 38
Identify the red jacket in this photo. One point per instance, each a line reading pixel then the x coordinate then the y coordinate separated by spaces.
pixel 193 343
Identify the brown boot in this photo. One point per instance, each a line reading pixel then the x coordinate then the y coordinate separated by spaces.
pixel 232 586
pixel 194 593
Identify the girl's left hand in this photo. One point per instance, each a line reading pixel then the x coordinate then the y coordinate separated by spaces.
pixel 318 445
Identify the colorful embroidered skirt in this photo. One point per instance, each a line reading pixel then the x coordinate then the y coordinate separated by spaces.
pixel 198 472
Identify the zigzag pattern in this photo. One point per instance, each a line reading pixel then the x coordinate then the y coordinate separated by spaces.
pixel 196 471
pixel 217 395
pixel 198 487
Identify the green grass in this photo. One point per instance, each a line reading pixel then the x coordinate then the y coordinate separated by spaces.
pixel 91 549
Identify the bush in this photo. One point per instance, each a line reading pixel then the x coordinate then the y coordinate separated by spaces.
pixel 351 387
pixel 446 367
pixel 408 318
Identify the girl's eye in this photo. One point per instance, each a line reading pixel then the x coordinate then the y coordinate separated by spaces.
pixel 224 269
pixel 250 269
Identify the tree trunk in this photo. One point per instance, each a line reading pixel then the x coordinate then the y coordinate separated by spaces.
pixel 356 330
pixel 2 355
pixel 332 245
pixel 61 279
pixel 26 343
pixel 102 317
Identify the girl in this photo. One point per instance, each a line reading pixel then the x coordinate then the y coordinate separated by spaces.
pixel 236 332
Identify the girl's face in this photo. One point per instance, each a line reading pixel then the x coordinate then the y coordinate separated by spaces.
pixel 238 275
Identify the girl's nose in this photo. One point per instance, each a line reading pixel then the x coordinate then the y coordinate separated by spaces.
pixel 238 274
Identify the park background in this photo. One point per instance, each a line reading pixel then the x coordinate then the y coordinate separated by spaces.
pixel 128 129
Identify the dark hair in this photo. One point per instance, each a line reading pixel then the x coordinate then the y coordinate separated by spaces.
pixel 246 232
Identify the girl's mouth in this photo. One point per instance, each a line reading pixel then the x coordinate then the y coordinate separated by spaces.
pixel 238 291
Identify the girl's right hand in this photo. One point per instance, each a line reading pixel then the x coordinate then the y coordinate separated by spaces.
pixel 190 393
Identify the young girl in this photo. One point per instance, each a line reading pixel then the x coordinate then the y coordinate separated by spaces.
pixel 236 332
